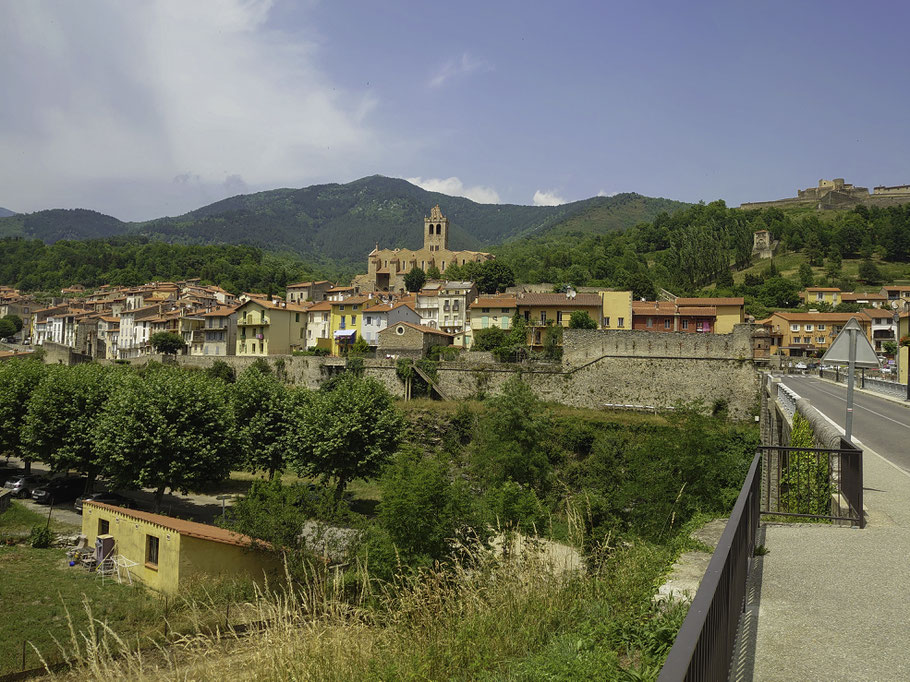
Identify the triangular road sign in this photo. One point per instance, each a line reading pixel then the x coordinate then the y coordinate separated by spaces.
pixel 839 352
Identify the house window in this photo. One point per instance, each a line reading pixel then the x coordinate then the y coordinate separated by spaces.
pixel 650 322
pixel 685 324
pixel 151 551
pixel 296 317
pixel 819 297
pixel 399 330
pixel 821 327
pixel 667 323
pixel 559 317
pixel 484 310
pixel 808 327
pixel 353 320
pixel 606 322
pixel 369 319
pixel 104 527
pixel 794 327
pixel 621 322
pixel 820 339
pixel 341 307
pixel 505 310
pixel 543 316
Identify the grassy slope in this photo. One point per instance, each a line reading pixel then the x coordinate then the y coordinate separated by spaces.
pixel 788 265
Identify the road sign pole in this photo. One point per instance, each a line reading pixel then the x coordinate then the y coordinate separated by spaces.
pixel 851 369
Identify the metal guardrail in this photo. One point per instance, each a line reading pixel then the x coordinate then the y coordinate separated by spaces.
pixel 893 389
pixel 703 648
pixel 813 483
pixel 787 398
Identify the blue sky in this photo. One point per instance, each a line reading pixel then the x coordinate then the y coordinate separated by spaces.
pixel 148 109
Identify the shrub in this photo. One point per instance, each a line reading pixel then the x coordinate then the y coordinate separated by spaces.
pixel 489 339
pixel 40 537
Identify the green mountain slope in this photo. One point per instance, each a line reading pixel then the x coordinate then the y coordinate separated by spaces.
pixel 5 212
pixel 342 223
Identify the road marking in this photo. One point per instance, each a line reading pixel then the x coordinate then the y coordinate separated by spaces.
pixel 865 447
pixel 855 404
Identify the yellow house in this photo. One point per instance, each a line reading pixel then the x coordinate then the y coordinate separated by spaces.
pixel 730 311
pixel 829 295
pixel 539 310
pixel 165 552
pixel 489 311
pixel 270 327
pixel 616 312
pixel 347 321
pixel 809 334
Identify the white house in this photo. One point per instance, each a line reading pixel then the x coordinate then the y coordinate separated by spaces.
pixel 378 317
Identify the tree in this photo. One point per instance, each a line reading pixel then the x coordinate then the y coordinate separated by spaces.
pixel 60 424
pixel 489 338
pixel 16 320
pixel 18 378
pixel 814 249
pixel 806 278
pixel 890 348
pixel 493 276
pixel 345 432
pixel 869 273
pixel 168 343
pixel 259 403
pixel 415 279
pixel 581 320
pixel 7 328
pixel 166 429
pixel 221 370
pixel 832 269
pixel 513 438
pixel 433 273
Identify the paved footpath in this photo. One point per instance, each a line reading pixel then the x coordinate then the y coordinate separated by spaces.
pixel 833 603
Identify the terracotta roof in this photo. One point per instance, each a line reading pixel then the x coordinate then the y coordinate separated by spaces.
pixel 896 287
pixel 710 301
pixel 275 306
pixel 319 307
pixel 202 531
pixel 353 300
pixel 418 327
pixel 494 302
pixel 653 307
pixel 822 289
pixel 380 308
pixel 220 311
pixel 336 290
pixel 559 300
pixel 307 284
pixel 819 317
pixel 847 296
pixel 703 310
pixel 407 303
pixel 878 312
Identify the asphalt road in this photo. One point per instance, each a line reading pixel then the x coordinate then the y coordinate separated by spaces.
pixel 882 425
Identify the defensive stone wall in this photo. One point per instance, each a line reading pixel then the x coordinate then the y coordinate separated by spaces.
pixel 58 354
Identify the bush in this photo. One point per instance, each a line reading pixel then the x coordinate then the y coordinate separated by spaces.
pixel 40 537
pixel 513 506
pixel 581 320
pixel 221 370
pixel 489 339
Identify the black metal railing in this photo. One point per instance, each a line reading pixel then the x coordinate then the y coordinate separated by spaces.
pixel 814 483
pixel 703 648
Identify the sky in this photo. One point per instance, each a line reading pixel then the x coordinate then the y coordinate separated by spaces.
pixel 146 109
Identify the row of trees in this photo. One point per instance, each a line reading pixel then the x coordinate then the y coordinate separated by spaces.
pixel 490 276
pixel 171 428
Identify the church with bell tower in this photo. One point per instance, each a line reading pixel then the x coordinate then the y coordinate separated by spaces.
pixel 386 268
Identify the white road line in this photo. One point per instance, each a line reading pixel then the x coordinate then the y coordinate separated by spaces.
pixel 855 405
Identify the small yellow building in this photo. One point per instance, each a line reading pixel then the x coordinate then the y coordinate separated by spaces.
pixel 346 321
pixel 830 295
pixel 489 311
pixel 730 311
pixel 270 328
pixel 809 334
pixel 617 309
pixel 165 552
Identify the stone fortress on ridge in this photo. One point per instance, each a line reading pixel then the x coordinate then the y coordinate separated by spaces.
pixel 386 268
pixel 833 194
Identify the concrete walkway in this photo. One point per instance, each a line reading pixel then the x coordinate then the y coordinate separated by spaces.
pixel 833 603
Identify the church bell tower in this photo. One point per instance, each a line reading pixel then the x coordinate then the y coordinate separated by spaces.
pixel 436 231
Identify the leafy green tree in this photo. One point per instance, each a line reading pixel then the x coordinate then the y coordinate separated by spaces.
pixel 345 432
pixel 581 320
pixel 433 273
pixel 806 278
pixel 166 429
pixel 814 251
pixel 832 268
pixel 16 320
pixel 259 401
pixel 489 338
pixel 779 292
pixel 513 506
pixel 514 438
pixel 869 272
pixel 168 343
pixel 890 347
pixel 422 508
pixel 415 279
pixel 18 379
pixel 59 428
pixel 7 328
pixel 221 370
pixel 493 276
pixel 359 348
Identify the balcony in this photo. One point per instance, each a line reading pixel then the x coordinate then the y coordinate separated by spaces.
pixel 252 322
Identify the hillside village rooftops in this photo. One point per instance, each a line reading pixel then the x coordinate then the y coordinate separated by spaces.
pixel 818 317
pixel 338 290
pixel 419 327
pixel 878 313
pixel 220 311
pixel 322 306
pixel 847 297
pixel 191 528
pixel 272 305
pixel 352 300
pixel 494 302
pixel 559 300
pixel 307 284
pixel 711 301
pixel 819 289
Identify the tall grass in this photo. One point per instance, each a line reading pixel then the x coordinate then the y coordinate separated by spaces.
pixel 483 618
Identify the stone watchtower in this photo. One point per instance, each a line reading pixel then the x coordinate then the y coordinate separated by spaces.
pixel 436 231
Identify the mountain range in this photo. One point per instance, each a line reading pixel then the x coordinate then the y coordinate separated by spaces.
pixel 5 212
pixel 342 223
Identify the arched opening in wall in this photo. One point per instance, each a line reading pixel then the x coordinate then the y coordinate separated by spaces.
pixel 431 230
pixel 439 229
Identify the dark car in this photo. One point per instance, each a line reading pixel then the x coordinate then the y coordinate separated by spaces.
pixel 23 484
pixel 59 490
pixel 115 499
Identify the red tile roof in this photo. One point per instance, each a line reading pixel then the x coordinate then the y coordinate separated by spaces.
pixel 559 300
pixel 711 301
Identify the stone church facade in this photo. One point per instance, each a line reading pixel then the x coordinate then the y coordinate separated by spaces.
pixel 386 268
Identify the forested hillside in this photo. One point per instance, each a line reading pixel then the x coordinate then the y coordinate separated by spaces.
pixel 342 223
pixel 5 212
pixel 31 265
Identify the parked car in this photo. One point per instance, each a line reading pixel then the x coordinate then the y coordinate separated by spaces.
pixel 801 365
pixel 59 490
pixel 23 484
pixel 115 499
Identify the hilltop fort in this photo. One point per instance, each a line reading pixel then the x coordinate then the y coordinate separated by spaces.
pixel 835 194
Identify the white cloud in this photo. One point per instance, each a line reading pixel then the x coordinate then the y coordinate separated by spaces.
pixel 605 193
pixel 455 187
pixel 547 198
pixel 190 101
pixel 457 67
